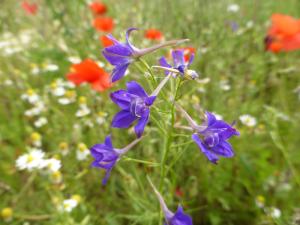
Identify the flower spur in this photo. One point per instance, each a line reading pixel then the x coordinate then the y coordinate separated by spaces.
pixel 121 55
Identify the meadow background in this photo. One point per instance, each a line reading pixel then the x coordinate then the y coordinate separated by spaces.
pixel 243 79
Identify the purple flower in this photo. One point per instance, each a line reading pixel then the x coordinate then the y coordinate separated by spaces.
pixel 106 156
pixel 179 64
pixel 135 106
pixel 121 55
pixel 212 136
pixel 177 218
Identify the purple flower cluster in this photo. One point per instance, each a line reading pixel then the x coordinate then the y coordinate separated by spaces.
pixel 211 136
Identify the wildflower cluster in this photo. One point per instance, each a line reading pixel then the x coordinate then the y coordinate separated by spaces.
pixel 211 136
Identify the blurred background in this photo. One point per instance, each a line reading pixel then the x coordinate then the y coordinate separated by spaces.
pixel 240 81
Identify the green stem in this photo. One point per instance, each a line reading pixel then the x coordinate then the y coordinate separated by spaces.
pixel 168 140
pixel 149 69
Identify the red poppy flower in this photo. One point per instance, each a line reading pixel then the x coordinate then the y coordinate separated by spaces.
pixel 284 34
pixel 105 41
pixel 30 8
pixel 105 24
pixel 98 8
pixel 153 34
pixel 88 71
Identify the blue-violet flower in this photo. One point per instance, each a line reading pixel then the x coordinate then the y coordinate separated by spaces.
pixel 121 55
pixel 180 66
pixel 135 105
pixel 106 156
pixel 177 218
pixel 211 137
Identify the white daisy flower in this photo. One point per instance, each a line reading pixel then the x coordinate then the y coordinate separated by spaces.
pixel 248 120
pixel 68 205
pixel 52 165
pixel 83 111
pixel 101 117
pixel 36 110
pixel 36 139
pixel 274 212
pixel 30 96
pixel 69 97
pixel 224 85
pixel 30 161
pixel 64 148
pixel 260 201
pixel 233 8
pixel 50 67
pixel 40 122
pixel 82 152
pixel 57 88
pixel 74 59
pixel 56 177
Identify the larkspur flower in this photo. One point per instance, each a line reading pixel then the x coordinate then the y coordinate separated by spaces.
pixel 177 218
pixel 135 104
pixel 106 156
pixel 180 66
pixel 211 137
pixel 121 55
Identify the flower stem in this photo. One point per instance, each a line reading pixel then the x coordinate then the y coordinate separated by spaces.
pixel 149 69
pixel 169 139
pixel 128 147
pixel 160 86
pixel 158 46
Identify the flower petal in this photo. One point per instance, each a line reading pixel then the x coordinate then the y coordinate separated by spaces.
pixel 180 218
pixel 224 149
pixel 149 100
pixel 136 89
pixel 115 59
pixel 123 119
pixel 140 126
pixel 191 59
pixel 207 152
pixel 119 72
pixel 122 98
pixel 108 141
pixel 129 30
pixel 119 49
pixel 178 58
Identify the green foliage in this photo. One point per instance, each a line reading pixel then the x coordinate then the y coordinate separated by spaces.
pixel 261 84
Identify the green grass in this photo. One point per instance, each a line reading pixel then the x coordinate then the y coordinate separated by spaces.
pixel 262 84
